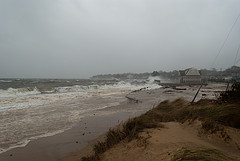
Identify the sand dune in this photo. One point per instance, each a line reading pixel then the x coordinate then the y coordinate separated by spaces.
pixel 164 143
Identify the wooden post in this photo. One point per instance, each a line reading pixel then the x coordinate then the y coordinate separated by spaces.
pixel 196 93
pixel 227 86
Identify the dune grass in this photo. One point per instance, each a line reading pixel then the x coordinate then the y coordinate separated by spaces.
pixel 210 112
pixel 128 131
pixel 199 154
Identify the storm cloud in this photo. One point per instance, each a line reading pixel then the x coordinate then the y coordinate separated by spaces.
pixel 80 38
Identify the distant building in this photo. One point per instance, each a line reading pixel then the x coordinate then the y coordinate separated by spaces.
pixel 190 75
pixel 130 76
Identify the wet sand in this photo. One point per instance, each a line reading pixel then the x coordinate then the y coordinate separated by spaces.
pixel 89 128
pixel 55 147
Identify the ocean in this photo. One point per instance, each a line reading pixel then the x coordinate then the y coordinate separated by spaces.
pixel 34 108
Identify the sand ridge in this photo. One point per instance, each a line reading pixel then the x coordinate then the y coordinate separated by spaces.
pixel 162 144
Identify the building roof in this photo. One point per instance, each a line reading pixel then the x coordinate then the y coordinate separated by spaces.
pixel 189 71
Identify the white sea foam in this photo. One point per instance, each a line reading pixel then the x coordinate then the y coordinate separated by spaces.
pixel 11 92
pixel 17 145
pixel 43 121
pixel 50 109
pixel 152 79
pixel 5 81
pixel 24 142
pixel 12 99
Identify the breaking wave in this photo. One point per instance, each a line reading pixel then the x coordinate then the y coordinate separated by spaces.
pixel 17 98
pixel 18 92
pixel 12 92
pixel 5 81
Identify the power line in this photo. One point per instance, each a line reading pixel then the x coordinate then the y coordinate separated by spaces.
pixel 235 60
pixel 224 42
pixel 238 61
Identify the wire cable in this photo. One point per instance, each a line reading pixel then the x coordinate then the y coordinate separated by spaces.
pixel 224 42
pixel 235 60
pixel 238 61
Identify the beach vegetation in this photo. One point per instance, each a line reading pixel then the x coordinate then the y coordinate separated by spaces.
pixel 128 131
pixel 199 154
pixel 212 113
pixel 231 95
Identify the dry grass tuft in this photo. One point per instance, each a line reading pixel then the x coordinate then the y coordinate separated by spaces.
pixel 209 111
pixel 129 131
pixel 200 154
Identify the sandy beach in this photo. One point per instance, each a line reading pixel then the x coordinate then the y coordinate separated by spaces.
pixel 91 127
pixel 90 80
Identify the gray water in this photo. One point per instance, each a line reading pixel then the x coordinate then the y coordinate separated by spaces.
pixel 50 83
pixel 34 108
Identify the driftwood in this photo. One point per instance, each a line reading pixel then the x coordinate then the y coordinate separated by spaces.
pixel 139 90
pixel 178 88
pixel 133 99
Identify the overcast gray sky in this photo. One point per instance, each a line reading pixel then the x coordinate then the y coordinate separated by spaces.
pixel 80 38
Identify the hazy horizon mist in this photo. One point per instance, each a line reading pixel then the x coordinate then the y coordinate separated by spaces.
pixel 82 38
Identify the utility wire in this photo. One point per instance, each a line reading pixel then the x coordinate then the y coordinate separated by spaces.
pixel 225 41
pixel 238 61
pixel 235 60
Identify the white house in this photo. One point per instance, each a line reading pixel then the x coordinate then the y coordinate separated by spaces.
pixel 190 75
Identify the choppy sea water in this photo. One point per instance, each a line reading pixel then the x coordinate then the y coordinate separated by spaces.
pixel 33 108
